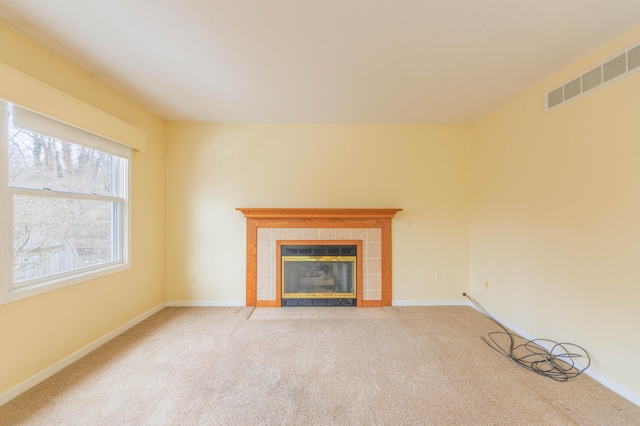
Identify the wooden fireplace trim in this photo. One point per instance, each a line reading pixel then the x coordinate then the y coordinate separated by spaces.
pixel 269 213
pixel 316 218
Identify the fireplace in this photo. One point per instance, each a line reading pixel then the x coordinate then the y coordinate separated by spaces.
pixel 318 275
pixel 268 228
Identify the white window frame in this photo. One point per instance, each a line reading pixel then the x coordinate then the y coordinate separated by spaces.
pixel 10 292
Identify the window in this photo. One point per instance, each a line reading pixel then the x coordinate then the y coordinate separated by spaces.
pixel 65 199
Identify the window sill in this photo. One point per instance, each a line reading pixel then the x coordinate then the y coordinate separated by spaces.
pixel 54 284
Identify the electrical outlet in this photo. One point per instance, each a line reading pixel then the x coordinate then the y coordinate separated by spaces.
pixel 438 278
pixel 486 285
pixel 408 223
pixel 194 279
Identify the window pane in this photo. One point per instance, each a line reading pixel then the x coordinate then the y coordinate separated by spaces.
pixel 56 235
pixel 37 161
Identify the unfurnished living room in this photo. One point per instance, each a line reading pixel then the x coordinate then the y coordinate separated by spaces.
pixel 235 212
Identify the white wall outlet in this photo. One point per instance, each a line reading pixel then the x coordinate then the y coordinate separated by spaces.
pixel 487 285
pixel 438 278
pixel 194 279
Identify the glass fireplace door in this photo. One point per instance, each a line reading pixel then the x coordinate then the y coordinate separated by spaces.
pixel 318 277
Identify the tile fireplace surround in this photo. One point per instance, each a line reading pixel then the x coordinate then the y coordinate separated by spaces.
pixel 267 227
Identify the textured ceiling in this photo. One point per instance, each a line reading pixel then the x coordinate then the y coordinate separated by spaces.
pixel 322 61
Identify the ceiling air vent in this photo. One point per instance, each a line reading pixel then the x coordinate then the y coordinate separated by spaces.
pixel 607 72
pixel 614 68
pixel 572 89
pixel 634 58
pixel 592 79
pixel 555 97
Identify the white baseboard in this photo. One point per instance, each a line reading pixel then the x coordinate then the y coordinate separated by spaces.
pixel 202 303
pixel 620 390
pixel 65 362
pixel 598 377
pixel 429 303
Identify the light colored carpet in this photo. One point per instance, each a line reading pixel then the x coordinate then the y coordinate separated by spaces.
pixel 213 366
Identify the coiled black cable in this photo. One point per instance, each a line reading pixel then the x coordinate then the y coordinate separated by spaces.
pixel 557 363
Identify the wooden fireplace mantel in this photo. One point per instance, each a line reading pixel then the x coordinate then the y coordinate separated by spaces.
pixel 316 218
pixel 270 213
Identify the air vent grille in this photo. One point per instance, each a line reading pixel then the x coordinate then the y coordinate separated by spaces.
pixel 607 72
pixel 555 97
pixel 592 79
pixel 634 58
pixel 614 68
pixel 572 89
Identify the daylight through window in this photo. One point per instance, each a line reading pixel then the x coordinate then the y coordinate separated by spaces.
pixel 66 192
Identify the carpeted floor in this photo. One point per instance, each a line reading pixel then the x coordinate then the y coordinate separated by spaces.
pixel 213 366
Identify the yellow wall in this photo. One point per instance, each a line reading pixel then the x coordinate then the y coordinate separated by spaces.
pixel 552 197
pixel 215 168
pixel 39 331
pixel 555 208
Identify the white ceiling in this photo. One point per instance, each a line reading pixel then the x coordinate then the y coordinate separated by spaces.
pixel 322 61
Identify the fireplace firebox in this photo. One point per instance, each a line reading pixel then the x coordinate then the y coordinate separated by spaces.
pixel 322 275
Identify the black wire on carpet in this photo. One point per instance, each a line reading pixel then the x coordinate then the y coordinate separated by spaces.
pixel 557 363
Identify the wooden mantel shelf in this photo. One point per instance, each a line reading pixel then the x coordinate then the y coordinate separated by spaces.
pixel 273 213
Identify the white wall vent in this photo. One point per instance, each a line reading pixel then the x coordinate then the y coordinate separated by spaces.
pixel 606 72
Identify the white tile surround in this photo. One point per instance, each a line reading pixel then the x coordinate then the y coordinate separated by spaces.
pixel 371 262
